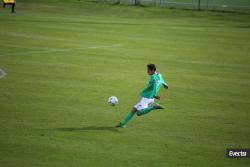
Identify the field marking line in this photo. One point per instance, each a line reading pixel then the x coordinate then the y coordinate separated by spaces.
pixel 51 50
pixel 2 73
pixel 70 42
pixel 34 36
pixel 211 63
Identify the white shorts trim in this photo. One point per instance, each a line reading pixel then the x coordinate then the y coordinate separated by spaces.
pixel 144 103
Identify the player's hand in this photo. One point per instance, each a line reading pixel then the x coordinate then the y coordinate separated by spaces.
pixel 157 97
pixel 165 86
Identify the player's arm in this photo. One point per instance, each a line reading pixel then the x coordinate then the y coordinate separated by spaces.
pixel 154 87
pixel 157 97
pixel 164 83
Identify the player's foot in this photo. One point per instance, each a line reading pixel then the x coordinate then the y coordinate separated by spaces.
pixel 158 106
pixel 120 126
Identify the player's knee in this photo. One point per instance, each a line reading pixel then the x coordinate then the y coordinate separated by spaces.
pixel 134 110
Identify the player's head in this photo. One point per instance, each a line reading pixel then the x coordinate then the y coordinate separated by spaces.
pixel 151 69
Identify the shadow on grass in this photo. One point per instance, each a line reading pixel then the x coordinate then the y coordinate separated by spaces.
pixel 91 128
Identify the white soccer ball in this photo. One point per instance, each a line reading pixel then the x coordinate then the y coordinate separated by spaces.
pixel 113 100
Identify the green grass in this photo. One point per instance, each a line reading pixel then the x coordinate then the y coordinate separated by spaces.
pixel 63 60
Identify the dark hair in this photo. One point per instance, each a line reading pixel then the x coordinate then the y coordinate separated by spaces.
pixel 151 67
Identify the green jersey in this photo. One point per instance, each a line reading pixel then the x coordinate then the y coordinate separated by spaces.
pixel 154 84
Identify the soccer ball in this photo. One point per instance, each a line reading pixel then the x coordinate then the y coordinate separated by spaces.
pixel 112 101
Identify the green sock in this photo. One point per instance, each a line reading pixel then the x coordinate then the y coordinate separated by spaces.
pixel 127 118
pixel 145 110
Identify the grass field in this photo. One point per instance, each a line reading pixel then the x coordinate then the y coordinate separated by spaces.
pixel 63 60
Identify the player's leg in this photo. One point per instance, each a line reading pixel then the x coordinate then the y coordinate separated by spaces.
pixel 150 108
pixel 13 8
pixel 127 118
pixel 131 114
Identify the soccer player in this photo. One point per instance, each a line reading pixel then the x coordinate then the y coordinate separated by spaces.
pixel 10 2
pixel 149 94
